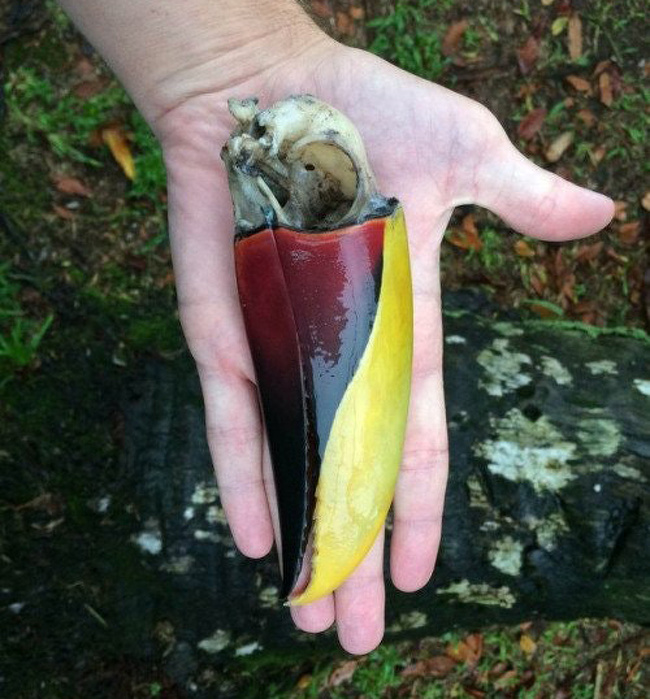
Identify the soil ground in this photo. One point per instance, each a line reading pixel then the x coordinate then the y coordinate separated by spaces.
pixel 86 291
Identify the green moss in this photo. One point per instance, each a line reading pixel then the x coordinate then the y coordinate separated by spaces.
pixel 155 334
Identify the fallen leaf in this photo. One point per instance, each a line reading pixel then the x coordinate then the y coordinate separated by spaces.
pixel 523 249
pixel 475 642
pixel 620 259
pixel 587 253
pixel 89 88
pixel 645 201
pixel 546 310
pixel 527 55
pixel 527 644
pixel 605 87
pixel 344 24
pixel 46 502
pixel 84 67
pixel 557 148
pixel 597 155
pixel 321 8
pixel 49 527
pixel 586 116
pixel 620 210
pixel 575 36
pixel 343 673
pixel 453 36
pixel 465 241
pixel 303 682
pixel 546 3
pixel 578 83
pixel 473 692
pixel 601 66
pixel 71 185
pixel 628 233
pixel 538 284
pixel 498 669
pixel 437 666
pixel 559 25
pixel 115 138
pixel 530 125
pixel 357 12
pixel 505 679
pixel 466 651
pixel 467 236
pixel 63 213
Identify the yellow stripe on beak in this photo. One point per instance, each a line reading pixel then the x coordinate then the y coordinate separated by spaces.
pixel 362 458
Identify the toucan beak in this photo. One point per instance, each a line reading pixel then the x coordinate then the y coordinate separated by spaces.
pixel 328 315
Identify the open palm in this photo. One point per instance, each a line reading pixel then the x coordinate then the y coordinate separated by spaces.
pixel 431 148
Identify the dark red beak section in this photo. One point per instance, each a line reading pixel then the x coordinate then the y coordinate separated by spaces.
pixel 309 302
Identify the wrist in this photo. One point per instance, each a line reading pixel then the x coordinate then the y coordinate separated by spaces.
pixel 166 52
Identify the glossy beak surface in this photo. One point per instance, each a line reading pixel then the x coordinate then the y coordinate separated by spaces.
pixel 329 321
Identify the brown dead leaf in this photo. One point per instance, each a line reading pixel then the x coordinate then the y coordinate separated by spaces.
pixel 468 651
pixel 116 140
pixel 620 210
pixel 50 526
pixel 527 645
pixel 645 201
pixel 63 213
pixel 89 88
pixel 527 55
pixel 530 125
pixel 505 679
pixel 538 284
pixel 321 8
pixel 71 185
pixel 453 36
pixel 467 236
pixel 45 502
pixel 605 87
pixel 474 692
pixel 357 12
pixel 578 83
pixel 344 24
pixel 343 673
pixel 601 66
pixel 586 116
pixel 619 259
pixel 438 666
pixel 557 148
pixel 547 313
pixel 84 67
pixel 574 35
pixel 523 249
pixel 628 233
pixel 597 155
pixel 464 240
pixel 498 669
pixel 587 253
pixel 475 643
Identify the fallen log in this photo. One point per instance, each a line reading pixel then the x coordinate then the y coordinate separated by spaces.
pixel 547 510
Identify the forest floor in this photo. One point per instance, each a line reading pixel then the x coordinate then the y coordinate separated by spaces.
pixel 86 291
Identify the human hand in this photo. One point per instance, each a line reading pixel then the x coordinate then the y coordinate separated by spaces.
pixel 431 148
pixel 428 146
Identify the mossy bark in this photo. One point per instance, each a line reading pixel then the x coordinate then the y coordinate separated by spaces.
pixel 547 511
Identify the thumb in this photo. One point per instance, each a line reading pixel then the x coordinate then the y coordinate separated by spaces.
pixel 537 202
